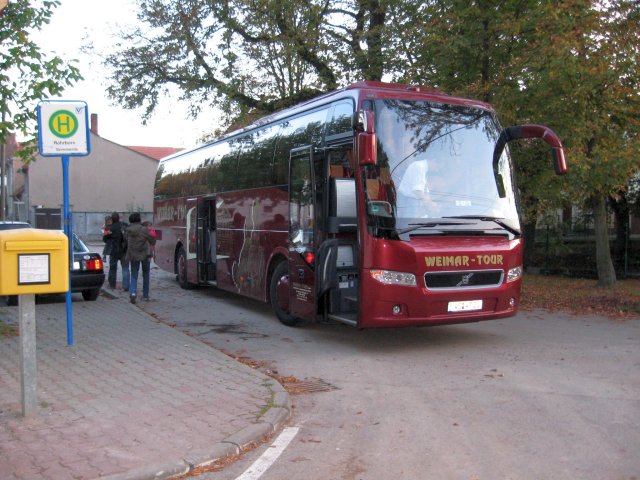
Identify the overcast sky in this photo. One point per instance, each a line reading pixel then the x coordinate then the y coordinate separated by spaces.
pixel 74 21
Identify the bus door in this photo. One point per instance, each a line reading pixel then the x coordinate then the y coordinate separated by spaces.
pixel 337 272
pixel 207 240
pixel 302 297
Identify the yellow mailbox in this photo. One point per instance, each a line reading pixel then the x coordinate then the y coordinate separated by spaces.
pixel 33 261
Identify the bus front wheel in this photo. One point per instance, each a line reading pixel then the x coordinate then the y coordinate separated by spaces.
pixel 278 294
pixel 181 270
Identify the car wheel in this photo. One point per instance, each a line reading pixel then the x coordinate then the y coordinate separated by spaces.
pixel 91 295
pixel 12 300
pixel 181 269
pixel 279 302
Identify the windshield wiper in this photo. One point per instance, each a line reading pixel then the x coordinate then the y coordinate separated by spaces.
pixel 496 220
pixel 416 226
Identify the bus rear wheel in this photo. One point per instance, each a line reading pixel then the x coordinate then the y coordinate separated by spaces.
pixel 181 270
pixel 278 294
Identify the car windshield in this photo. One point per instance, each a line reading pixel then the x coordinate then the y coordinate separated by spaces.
pixel 435 161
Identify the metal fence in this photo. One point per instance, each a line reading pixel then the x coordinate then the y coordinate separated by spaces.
pixel 572 252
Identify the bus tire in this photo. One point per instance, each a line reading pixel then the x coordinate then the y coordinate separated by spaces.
pixel 281 271
pixel 181 270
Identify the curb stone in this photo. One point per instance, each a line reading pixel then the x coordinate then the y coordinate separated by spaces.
pixel 232 445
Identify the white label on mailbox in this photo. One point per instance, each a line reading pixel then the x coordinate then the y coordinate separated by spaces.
pixel 465 306
pixel 33 269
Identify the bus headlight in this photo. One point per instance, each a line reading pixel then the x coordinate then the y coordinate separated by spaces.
pixel 514 274
pixel 394 278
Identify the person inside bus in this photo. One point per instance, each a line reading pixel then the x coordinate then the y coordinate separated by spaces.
pixel 414 198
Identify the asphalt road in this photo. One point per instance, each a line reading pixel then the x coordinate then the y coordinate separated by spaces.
pixel 537 396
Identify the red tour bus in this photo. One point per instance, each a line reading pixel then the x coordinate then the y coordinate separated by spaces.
pixel 379 205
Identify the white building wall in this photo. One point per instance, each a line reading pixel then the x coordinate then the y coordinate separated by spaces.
pixel 111 178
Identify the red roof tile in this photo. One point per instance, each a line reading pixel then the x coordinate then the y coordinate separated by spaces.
pixel 155 152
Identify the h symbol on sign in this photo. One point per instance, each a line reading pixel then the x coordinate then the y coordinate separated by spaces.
pixel 64 123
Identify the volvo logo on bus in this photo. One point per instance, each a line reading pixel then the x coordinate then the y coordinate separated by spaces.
pixel 465 280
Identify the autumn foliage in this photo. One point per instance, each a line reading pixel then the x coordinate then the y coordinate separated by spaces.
pixel 581 296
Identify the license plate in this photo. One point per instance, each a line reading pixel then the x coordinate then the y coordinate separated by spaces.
pixel 465 306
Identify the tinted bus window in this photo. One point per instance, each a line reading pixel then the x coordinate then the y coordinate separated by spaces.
pixel 341 120
pixel 179 176
pixel 227 169
pixel 301 202
pixel 212 175
pixel 305 130
pixel 256 158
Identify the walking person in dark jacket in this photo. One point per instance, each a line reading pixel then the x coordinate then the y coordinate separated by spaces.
pixel 139 240
pixel 115 236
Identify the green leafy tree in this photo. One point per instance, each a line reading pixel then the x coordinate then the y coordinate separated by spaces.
pixel 587 69
pixel 27 74
pixel 571 65
pixel 246 56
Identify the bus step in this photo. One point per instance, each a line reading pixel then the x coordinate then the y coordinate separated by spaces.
pixel 349 304
pixel 213 283
pixel 348 318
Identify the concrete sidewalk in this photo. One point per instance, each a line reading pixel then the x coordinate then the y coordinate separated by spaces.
pixel 131 399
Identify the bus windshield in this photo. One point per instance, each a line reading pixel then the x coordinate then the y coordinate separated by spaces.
pixel 435 161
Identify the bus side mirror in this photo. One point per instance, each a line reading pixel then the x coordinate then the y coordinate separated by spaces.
pixel 364 125
pixel 529 131
pixel 364 121
pixel 367 152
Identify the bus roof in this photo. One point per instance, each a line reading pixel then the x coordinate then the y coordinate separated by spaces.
pixel 367 89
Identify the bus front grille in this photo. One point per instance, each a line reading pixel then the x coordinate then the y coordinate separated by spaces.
pixel 463 279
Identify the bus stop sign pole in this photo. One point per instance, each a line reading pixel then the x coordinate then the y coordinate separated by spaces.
pixel 63 132
pixel 68 230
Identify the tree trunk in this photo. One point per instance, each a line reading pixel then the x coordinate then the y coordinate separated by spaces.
pixel 375 42
pixel 529 230
pixel 606 272
pixel 620 208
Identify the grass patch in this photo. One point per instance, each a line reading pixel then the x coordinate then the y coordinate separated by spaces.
pixel 7 330
pixel 271 402
pixel 581 296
